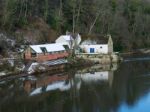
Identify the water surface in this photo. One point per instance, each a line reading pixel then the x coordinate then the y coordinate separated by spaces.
pixel 110 88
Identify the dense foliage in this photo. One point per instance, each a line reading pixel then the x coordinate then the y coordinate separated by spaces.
pixel 128 21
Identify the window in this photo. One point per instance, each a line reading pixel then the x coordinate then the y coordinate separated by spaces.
pixel 44 50
pixel 92 50
pixel 33 54
pixel 66 47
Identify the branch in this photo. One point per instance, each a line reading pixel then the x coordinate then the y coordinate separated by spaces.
pixel 95 20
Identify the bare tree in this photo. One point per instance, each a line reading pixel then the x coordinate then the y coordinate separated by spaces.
pixel 94 22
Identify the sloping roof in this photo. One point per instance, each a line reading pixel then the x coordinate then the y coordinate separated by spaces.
pixel 49 47
pixel 87 42
pixel 97 39
pixel 66 37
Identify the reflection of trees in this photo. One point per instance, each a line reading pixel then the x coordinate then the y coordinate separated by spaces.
pixel 71 100
pixel 91 96
pixel 95 97
pixel 17 100
pixel 130 83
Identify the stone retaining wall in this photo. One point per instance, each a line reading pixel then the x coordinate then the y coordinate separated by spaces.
pixel 100 58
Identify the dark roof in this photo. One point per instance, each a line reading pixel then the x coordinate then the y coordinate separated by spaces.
pixel 100 39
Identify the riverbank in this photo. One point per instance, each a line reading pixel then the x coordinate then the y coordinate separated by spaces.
pixel 101 58
pixel 61 65
pixel 73 63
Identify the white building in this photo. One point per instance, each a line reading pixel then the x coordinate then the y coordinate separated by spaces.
pixel 94 47
pixel 69 40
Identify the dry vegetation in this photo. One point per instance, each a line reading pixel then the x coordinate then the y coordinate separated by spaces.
pixel 128 21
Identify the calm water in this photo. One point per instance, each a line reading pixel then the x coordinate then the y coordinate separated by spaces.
pixel 109 88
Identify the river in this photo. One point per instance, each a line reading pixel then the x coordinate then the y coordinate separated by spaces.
pixel 108 88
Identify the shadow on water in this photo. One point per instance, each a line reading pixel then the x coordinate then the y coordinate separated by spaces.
pixel 99 88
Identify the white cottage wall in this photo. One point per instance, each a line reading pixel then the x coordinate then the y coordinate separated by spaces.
pixel 101 49
pixel 61 40
pixel 65 40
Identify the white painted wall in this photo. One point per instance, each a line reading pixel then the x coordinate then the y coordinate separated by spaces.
pixel 63 41
pixel 60 40
pixel 102 49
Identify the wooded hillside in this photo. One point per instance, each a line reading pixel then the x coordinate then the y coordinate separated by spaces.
pixel 128 21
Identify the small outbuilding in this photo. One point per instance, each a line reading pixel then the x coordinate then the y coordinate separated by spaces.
pixel 45 52
pixel 97 46
pixel 69 40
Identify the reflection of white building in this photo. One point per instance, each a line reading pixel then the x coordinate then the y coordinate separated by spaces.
pixel 65 85
pixel 92 77
pixel 61 85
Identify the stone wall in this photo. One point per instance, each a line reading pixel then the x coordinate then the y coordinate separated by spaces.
pixel 100 58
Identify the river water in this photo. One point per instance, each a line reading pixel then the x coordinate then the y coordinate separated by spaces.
pixel 108 88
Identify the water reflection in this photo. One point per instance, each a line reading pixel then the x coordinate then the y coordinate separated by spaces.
pixel 99 88
pixel 63 82
pixel 97 74
pixel 45 84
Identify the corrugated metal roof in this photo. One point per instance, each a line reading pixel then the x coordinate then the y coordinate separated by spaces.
pixel 49 47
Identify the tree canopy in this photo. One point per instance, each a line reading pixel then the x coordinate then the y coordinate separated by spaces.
pixel 128 21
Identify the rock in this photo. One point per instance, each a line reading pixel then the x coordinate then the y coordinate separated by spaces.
pixel 11 62
pixel 40 32
pixel 115 58
pixel 3 36
pixel 6 44
pixel 32 68
pixel 6 38
pixel 2 73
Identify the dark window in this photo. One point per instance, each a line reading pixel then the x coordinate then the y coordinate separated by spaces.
pixel 92 50
pixel 33 54
pixel 66 47
pixel 1 49
pixel 44 50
